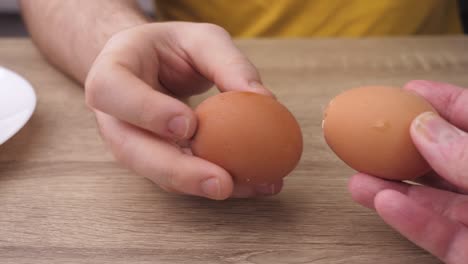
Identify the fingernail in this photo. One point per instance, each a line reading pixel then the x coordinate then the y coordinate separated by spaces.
pixel 179 126
pixel 434 129
pixel 255 85
pixel 265 189
pixel 211 188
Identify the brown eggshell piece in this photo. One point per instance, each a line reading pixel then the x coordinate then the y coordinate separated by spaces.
pixel 254 137
pixel 369 129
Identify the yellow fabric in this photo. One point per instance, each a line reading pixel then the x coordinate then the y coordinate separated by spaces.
pixel 318 18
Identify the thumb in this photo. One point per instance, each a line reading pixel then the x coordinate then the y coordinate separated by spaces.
pixel 444 146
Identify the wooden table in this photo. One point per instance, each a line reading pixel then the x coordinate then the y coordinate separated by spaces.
pixel 64 200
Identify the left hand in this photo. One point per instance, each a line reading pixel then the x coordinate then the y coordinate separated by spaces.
pixel 134 85
pixel 433 216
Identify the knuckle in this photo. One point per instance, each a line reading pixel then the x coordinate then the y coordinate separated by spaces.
pixel 117 138
pixel 168 189
pixel 120 156
pixel 119 150
pixel 462 152
pixel 461 159
pixel 93 88
pixel 168 179
pixel 147 117
pixel 455 158
pixel 456 103
pixel 210 28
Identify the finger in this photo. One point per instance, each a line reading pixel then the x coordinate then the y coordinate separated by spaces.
pixel 162 162
pixel 246 191
pixel 432 179
pixel 249 190
pixel 443 146
pixel 449 100
pixel 179 77
pixel 214 54
pixel 364 189
pixel 444 238
pixel 115 90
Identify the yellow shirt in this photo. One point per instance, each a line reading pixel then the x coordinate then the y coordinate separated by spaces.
pixel 321 18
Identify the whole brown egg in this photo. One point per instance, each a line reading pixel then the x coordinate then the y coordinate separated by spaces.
pixel 369 129
pixel 253 136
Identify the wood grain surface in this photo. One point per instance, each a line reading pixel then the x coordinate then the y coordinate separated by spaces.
pixel 64 200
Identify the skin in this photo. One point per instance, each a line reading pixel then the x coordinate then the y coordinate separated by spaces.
pixel 134 71
pixel 433 216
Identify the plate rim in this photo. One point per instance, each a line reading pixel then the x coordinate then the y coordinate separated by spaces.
pixel 30 88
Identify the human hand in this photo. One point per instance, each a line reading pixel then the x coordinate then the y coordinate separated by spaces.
pixel 131 88
pixel 434 216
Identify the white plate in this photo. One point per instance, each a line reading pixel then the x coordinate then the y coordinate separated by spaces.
pixel 17 103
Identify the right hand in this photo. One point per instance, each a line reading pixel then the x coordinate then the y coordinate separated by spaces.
pixel 131 88
pixel 434 215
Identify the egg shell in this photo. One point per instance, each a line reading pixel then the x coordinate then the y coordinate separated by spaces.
pixel 369 129
pixel 253 136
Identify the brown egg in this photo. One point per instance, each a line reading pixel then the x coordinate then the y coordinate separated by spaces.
pixel 369 129
pixel 254 137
